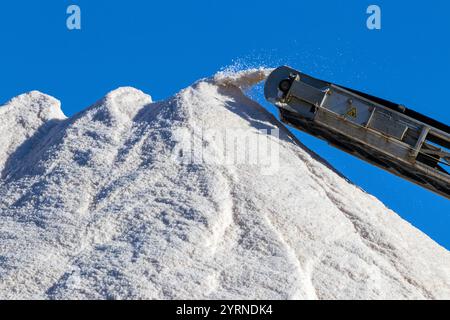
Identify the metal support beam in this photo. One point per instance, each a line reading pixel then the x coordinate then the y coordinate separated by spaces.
pixel 423 136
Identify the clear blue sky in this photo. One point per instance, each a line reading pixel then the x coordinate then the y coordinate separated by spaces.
pixel 163 46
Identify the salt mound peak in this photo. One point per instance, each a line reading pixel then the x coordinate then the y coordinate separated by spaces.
pixel 43 106
pixel 127 91
pixel 24 120
pixel 121 104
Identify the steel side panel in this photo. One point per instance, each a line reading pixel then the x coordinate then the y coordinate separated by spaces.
pixel 307 93
pixel 384 144
pixel 388 125
pixel 344 105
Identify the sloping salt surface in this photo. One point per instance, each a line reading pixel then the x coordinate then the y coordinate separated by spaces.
pixel 134 199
